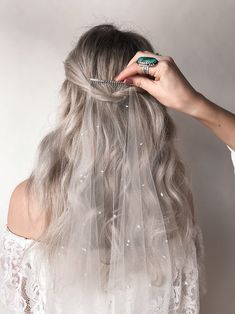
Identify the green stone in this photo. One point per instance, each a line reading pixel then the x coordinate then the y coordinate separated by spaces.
pixel 150 61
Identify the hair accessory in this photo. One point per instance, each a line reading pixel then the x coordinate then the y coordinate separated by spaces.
pixel 96 81
pixel 146 62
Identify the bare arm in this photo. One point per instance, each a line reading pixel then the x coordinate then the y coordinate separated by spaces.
pixel 220 121
pixel 169 86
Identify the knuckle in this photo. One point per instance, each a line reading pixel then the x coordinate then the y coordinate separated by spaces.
pixel 165 64
pixel 170 59
pixel 140 83
pixel 139 53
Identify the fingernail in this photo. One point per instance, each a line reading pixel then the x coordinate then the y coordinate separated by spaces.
pixel 128 81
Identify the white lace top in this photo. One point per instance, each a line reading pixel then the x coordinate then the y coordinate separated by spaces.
pixel 21 292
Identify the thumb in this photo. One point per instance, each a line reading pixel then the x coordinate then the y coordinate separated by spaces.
pixel 143 82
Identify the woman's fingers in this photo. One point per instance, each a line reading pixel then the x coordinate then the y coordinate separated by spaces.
pixel 134 69
pixel 145 54
pixel 165 81
pixel 133 73
pixel 145 83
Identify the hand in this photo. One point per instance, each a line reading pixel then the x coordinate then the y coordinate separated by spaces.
pixel 169 86
pixel 166 82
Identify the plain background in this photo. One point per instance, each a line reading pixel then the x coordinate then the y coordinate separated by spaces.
pixel 35 39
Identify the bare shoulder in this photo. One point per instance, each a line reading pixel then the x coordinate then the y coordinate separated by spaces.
pixel 18 219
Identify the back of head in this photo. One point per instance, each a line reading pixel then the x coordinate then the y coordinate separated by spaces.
pixel 108 175
pixel 102 52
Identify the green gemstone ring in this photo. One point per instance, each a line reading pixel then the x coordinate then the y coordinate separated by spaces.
pixel 146 62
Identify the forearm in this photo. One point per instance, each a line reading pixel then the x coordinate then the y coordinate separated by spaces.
pixel 220 121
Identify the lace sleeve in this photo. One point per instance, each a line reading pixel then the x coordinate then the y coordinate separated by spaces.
pixel 19 291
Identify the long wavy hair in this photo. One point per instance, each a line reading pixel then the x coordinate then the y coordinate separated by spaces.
pixel 103 51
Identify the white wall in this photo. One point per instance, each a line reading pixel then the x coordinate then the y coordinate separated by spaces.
pixel 36 37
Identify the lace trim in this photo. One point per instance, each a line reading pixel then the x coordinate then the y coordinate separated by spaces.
pixel 18 236
pixel 20 289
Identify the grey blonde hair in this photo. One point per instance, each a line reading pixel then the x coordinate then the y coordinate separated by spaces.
pixel 102 52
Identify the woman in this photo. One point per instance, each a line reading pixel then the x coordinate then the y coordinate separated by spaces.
pixel 105 223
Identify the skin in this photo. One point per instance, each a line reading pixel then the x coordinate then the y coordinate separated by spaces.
pixel 168 85
pixel 18 220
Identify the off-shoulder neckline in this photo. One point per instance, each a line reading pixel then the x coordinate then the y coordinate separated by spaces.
pixel 17 235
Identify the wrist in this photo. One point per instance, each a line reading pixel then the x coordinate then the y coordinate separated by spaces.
pixel 197 106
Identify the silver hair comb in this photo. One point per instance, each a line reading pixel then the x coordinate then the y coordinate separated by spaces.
pixel 95 81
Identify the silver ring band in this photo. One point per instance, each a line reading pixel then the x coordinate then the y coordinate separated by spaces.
pixel 145 69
